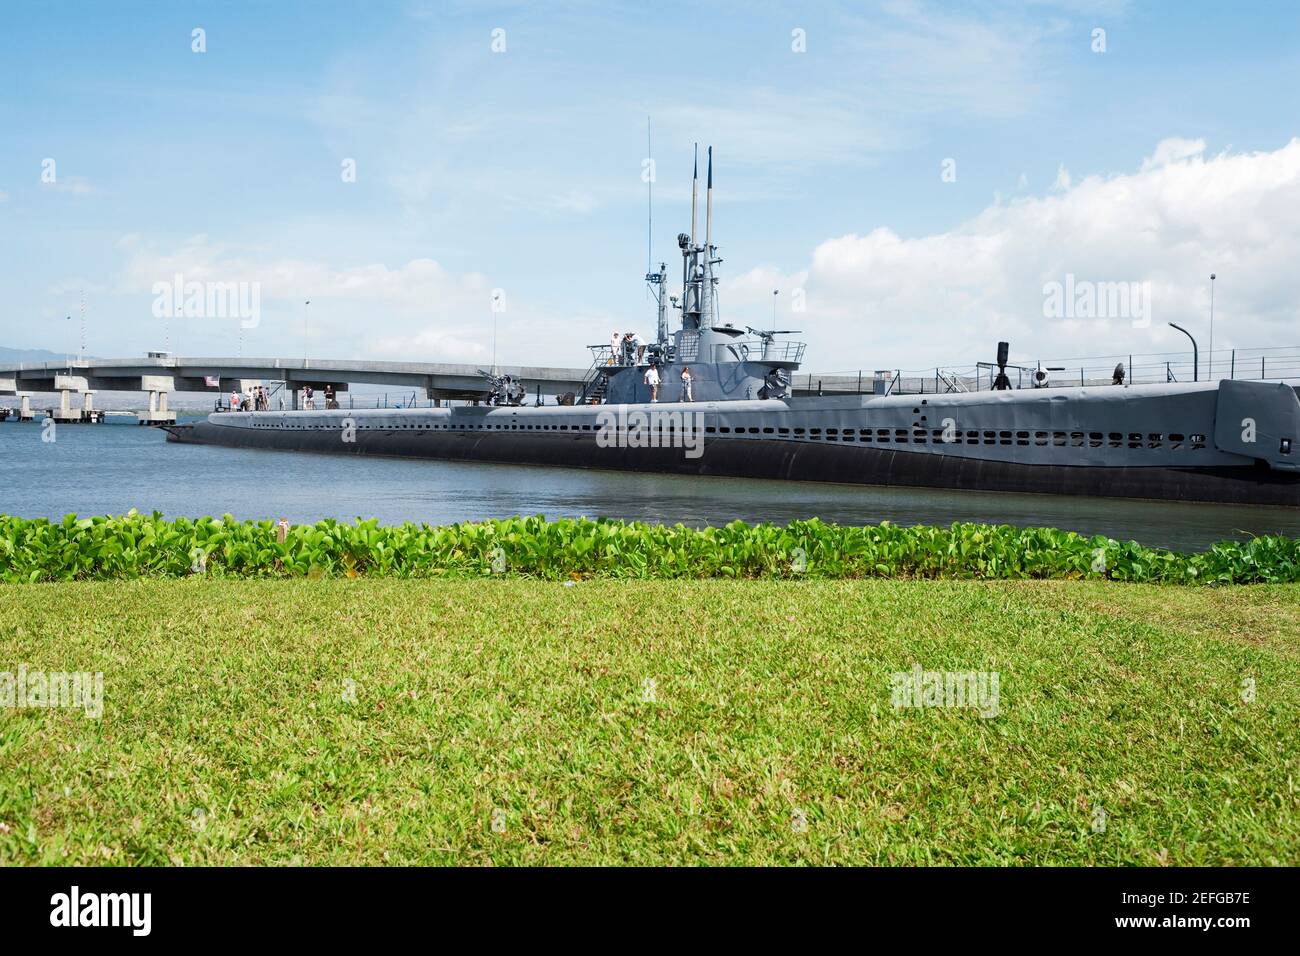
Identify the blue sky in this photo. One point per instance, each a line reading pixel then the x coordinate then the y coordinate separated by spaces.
pixel 521 170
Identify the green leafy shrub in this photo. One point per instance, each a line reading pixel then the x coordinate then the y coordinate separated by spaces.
pixel 135 545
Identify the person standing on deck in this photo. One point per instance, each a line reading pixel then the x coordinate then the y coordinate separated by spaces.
pixel 616 346
pixel 652 379
pixel 687 396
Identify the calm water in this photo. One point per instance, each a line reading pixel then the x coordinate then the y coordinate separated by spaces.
pixel 111 468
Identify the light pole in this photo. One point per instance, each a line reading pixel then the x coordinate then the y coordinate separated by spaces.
pixel 1196 355
pixel 1211 326
pixel 775 293
pixel 496 309
pixel 304 332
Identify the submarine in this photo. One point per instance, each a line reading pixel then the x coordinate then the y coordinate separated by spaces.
pixel 707 398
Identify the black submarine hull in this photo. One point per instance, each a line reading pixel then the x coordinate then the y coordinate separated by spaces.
pixel 784 460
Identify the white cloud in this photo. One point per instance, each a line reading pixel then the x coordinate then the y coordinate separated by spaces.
pixel 427 341
pixel 568 202
pixel 420 311
pixel 868 87
pixel 767 128
pixel 747 299
pixel 1173 150
pixel 920 59
pixel 874 299
pixel 74 287
pixel 880 299
pixel 418 285
pixel 73 185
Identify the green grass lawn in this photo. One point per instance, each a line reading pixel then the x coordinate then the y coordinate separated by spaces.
pixel 523 722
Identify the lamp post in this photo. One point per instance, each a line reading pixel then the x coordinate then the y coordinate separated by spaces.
pixel 1211 326
pixel 1196 355
pixel 304 332
pixel 775 293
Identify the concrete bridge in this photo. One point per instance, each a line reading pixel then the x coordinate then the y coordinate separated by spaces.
pixel 160 374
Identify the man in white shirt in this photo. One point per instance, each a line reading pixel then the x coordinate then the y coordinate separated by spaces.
pixel 652 379
pixel 616 346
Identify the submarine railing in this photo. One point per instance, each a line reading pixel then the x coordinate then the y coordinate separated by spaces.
pixel 602 360
pixel 753 349
pixel 1269 364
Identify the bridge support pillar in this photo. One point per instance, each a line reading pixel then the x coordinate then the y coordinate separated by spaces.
pixel 88 410
pixel 158 413
pixel 65 412
pixel 158 387
pixel 25 407
pixel 65 385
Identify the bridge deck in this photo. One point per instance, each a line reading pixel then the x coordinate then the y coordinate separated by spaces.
pixel 438 380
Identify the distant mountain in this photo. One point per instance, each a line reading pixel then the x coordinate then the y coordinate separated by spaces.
pixel 31 355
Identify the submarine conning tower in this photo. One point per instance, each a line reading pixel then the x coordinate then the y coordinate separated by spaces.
pixel 727 363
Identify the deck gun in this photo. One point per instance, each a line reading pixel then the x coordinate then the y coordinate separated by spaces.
pixel 503 389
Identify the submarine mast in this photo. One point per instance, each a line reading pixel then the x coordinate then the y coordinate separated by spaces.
pixel 706 276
